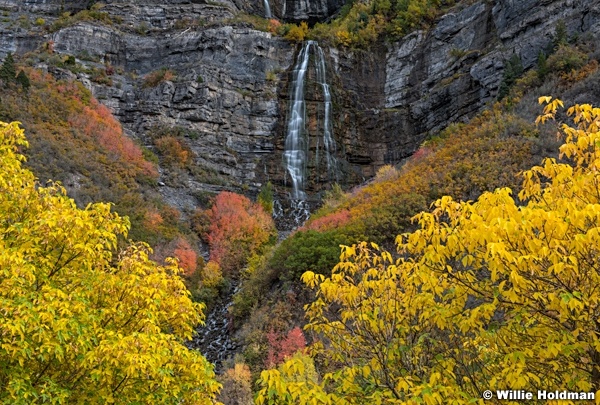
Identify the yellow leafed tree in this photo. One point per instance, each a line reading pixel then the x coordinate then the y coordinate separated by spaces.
pixel 492 294
pixel 79 323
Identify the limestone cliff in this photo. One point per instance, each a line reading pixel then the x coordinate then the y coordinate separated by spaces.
pixel 231 82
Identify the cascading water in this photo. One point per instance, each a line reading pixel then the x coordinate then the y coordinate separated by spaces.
pixel 296 142
pixel 328 140
pixel 267 9
pixel 296 146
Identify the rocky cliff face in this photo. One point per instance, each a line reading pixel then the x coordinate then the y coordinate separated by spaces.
pixel 224 93
pixel 311 11
pixel 231 84
pixel 452 71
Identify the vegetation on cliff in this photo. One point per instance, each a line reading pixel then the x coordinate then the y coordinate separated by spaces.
pixel 359 24
pixel 464 161
pixel 75 140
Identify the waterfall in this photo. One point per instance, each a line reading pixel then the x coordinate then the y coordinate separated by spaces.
pixel 328 140
pixel 296 141
pixel 267 9
pixel 296 146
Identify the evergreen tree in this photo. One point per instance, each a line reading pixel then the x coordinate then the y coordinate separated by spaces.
pixel 512 71
pixel 561 35
pixel 265 197
pixel 23 80
pixel 8 72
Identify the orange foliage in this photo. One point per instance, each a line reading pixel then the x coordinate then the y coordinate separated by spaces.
pixel 468 160
pixel 172 151
pixel 580 74
pixel 200 222
pixel 153 220
pixel 186 255
pixel 237 385
pixel 238 228
pixel 75 140
pixel 153 79
pixel 98 122
pixel 273 26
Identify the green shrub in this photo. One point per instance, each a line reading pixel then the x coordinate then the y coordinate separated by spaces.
pixel 256 279
pixel 566 58
pixel 307 250
pixel 270 76
pixel 392 217
pixel 143 28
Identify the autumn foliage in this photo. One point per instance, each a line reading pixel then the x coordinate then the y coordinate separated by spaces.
pixel 273 26
pixel 186 255
pixel 97 121
pixel 173 152
pixel 332 221
pixel 283 346
pixel 75 140
pixel 237 386
pixel 81 321
pixel 238 228
pixel 463 162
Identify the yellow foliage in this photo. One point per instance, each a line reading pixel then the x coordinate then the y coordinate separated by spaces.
pixel 387 173
pixel 295 382
pixel 80 324
pixel 485 295
pixel 297 33
pixel 237 385
pixel 212 275
pixel 343 38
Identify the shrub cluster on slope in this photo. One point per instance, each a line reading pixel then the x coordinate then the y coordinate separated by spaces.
pixel 361 23
pixel 75 140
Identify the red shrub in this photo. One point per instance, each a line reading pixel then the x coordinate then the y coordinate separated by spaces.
pixel 273 26
pixel 421 153
pixel 281 347
pixel 331 221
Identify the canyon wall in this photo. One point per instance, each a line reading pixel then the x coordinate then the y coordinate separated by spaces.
pixel 231 84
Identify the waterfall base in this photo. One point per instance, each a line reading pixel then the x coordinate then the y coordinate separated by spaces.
pixel 291 213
